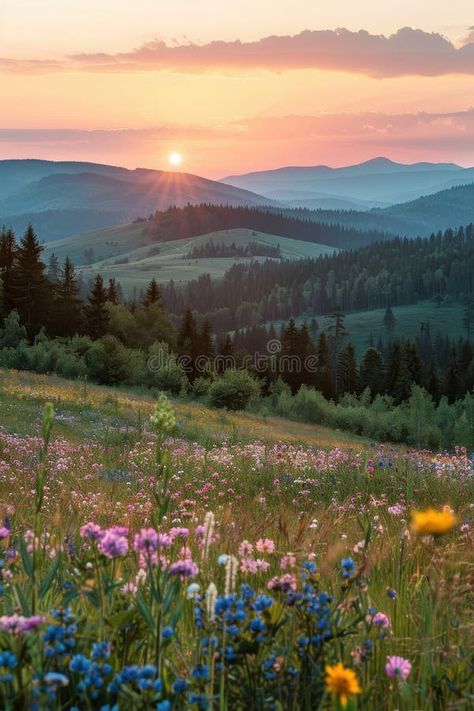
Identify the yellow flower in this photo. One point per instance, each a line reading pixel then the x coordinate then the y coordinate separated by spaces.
pixel 432 522
pixel 342 683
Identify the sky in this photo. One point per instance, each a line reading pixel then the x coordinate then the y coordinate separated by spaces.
pixel 236 86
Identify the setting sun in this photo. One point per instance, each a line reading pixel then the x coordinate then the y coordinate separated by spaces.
pixel 175 159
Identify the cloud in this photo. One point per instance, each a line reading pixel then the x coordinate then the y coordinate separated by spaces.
pixel 258 142
pixel 407 52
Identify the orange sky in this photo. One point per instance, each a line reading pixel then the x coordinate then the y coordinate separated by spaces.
pixel 129 85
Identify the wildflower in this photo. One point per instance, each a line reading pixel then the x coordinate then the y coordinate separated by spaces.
pixel 180 686
pixel 392 594
pixel 163 419
pixel 432 522
pixel 341 683
pixel 231 566
pixel 17 624
pixel 265 545
pixel 8 661
pixel 4 532
pixel 167 632
pixel 222 559
pixel 185 568
pixel 200 672
pixel 192 590
pixel 55 679
pixel 245 549
pixel 209 523
pixel 114 544
pixel 398 666
pixel 348 567
pixel 146 541
pixel 92 531
pixel 211 597
pixel 381 620
pixel 129 589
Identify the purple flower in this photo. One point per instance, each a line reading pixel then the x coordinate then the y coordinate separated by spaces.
pixel 398 666
pixel 92 531
pixel 114 544
pixel 4 532
pixel 17 624
pixel 185 568
pixel 146 541
pixel 381 620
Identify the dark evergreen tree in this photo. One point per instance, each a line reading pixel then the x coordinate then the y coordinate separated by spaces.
pixel 337 334
pixel 347 373
pixel 153 294
pixel 372 374
pixel 95 314
pixel 324 380
pixel 393 367
pixel 112 292
pixel 8 249
pixel 452 385
pixel 67 304
pixel 53 269
pixel 30 289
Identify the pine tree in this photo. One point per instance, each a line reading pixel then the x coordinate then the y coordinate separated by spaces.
pixel 205 342
pixel 324 380
pixel 433 383
pixel 153 294
pixel 468 317
pixel 338 333
pixel 67 318
pixel 188 343
pixel 348 376
pixel 372 371
pixel 53 269
pixel 31 291
pixel 393 367
pixel 112 293
pixel 452 380
pixel 403 382
pixel 8 249
pixel 95 314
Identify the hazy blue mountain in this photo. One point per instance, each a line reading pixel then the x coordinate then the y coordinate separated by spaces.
pixel 65 198
pixel 447 208
pixel 375 183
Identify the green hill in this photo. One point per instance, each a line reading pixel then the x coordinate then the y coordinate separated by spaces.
pixel 126 254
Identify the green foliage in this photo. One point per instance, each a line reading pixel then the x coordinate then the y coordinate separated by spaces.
pixel 234 390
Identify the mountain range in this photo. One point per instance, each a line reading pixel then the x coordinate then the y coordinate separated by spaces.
pixel 63 199
pixel 379 182
pixel 66 198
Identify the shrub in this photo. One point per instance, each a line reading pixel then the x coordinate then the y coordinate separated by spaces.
pixel 234 390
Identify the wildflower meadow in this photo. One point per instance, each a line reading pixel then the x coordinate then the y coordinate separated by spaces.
pixel 149 568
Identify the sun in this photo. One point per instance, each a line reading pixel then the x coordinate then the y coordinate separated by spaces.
pixel 175 159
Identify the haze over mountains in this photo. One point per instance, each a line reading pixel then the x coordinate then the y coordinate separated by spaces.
pixel 375 183
pixel 66 198
pixel 63 199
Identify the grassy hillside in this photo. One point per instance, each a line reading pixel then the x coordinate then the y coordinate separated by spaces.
pixel 162 549
pixel 447 320
pixel 125 253
pixel 82 410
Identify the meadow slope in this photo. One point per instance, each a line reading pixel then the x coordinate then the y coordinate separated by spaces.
pixel 154 561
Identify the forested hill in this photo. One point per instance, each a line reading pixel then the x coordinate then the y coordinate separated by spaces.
pixel 395 272
pixel 181 223
pixel 420 217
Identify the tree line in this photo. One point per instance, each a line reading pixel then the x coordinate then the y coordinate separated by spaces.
pixel 396 272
